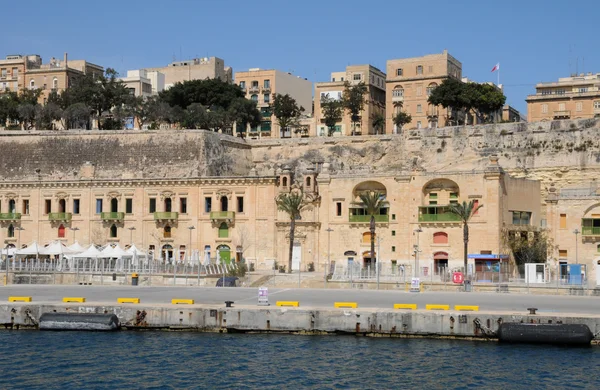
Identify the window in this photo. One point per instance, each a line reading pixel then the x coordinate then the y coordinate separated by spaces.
pixel 398 92
pixel 168 205
pixel 254 84
pixel 393 217
pixel 419 90
pixel 12 206
pixel 183 205
pixel 419 69
pixel 98 206
pixel 32 84
pixel 76 204
pixel 308 181
pixel 267 98
pixel 366 237
pixel 454 198
pixel 597 105
pixel 167 232
pixel 47 206
pixel 579 106
pixel 440 238
pixel 393 249
pixel 207 204
pixel 560 92
pixel 475 205
pixel 240 204
pixel 419 125
pixel 583 90
pixel 563 253
pixel 563 221
pixel 521 217
pixel 393 233
pixel 357 76
pixel 561 106
pixel 429 90
pixel 284 181
pixel 338 209
pixel 62 206
pixel 11 231
pixel 128 206
pixel 152 205
pixel 254 98
pixel 113 231
pixel 26 206
pixel 224 203
pixel 544 108
pixel 430 69
pixel 242 84
pixel 419 108
pixel 55 83
pixel 61 231
pixel 267 84
pixel 15 73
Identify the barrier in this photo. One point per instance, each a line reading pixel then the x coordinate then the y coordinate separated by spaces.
pixel 182 301
pixel 466 308
pixel 411 306
pixel 74 299
pixel 351 305
pixel 437 307
pixel 288 303
pixel 128 300
pixel 19 299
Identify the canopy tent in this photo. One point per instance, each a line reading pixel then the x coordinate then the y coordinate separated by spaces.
pixel 133 250
pixel 56 248
pixel 32 249
pixel 76 248
pixel 90 252
pixel 116 252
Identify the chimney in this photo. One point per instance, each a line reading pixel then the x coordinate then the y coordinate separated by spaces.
pixel 66 58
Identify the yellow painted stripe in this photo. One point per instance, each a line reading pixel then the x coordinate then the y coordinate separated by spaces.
pixel 466 308
pixel 411 306
pixel 437 307
pixel 352 305
pixel 128 300
pixel 74 299
pixel 288 303
pixel 182 301
pixel 19 299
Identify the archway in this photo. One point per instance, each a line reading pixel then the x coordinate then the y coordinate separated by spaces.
pixel 167 253
pixel 113 231
pixel 11 231
pixel 440 263
pixel 224 254
pixel 369 259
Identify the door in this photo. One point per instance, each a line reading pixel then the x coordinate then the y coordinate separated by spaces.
pixel 296 256
pixel 224 254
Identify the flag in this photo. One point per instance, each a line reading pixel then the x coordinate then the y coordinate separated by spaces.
pixel 496 67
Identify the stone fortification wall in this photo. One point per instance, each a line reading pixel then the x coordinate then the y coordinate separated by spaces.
pixel 77 155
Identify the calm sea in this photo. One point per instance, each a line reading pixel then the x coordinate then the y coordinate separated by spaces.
pixel 159 360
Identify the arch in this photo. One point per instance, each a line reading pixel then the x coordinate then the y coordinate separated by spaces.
pixel 440 238
pixel 224 203
pixel 433 84
pixel 11 231
pixel 398 91
pixel 61 231
pixel 590 209
pixel 12 208
pixel 430 88
pixel 284 181
pixel 223 230
pixel 55 83
pixel 167 252
pixel 350 253
pixel 224 254
pixel 113 231
pixel 168 204
pixel 308 181
pixel 114 205
pixel 370 185
pixel 366 237
pixel 167 231
pixel 440 260
pixel 32 83
pixel 62 206
pixel 440 184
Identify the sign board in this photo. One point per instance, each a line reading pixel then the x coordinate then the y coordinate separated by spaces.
pixel 458 278
pixel 263 296
pixel 415 285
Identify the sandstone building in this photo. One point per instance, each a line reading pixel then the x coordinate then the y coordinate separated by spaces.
pixel 194 69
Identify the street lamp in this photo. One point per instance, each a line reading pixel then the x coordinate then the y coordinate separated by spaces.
pixel 74 229
pixel 576 231
pixel 328 230
pixel 190 228
pixel 19 229
pixel 131 229
pixel 417 250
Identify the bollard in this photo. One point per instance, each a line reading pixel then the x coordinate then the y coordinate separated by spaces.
pixel 134 279
pixel 532 310
pixel 228 303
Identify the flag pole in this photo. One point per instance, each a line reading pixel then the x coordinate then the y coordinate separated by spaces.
pixel 498 76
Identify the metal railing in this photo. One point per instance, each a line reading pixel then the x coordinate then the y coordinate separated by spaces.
pixel 367 218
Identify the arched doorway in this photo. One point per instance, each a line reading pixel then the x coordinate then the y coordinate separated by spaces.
pixel 113 231
pixel 223 254
pixel 440 263
pixel 12 208
pixel 224 203
pixel 61 231
pixel 368 259
pixel 114 205
pixel 11 231
pixel 167 253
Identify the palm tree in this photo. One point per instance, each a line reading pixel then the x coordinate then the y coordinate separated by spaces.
pixel 465 211
pixel 292 203
pixel 372 201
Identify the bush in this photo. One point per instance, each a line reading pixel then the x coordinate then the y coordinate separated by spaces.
pixel 239 270
pixel 282 269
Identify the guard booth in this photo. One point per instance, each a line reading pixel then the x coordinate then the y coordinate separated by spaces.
pixel 573 274
pixel 535 273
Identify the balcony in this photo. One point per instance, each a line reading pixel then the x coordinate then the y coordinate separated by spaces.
pixel 266 89
pixel 562 114
pixel 590 227
pixel 166 216
pixel 254 89
pixel 222 215
pixel 397 98
pixel 112 216
pixel 433 214
pixel 10 216
pixel 383 218
pixel 60 217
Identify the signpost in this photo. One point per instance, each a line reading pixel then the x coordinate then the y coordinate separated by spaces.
pixel 415 285
pixel 263 296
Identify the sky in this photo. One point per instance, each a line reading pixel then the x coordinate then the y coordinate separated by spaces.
pixel 533 40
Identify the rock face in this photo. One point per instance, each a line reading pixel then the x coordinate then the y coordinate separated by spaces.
pixel 122 155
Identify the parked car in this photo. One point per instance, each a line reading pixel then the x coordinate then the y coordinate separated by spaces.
pixel 229 281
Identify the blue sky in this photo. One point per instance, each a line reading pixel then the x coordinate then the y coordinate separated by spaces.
pixel 533 40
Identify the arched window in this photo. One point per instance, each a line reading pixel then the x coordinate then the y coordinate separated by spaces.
pixel 32 83
pixel 167 232
pixel 398 91
pixel 168 204
pixel 430 88
pixel 12 206
pixel 284 182
pixel 223 230
pixel 113 231
pixel 419 69
pixel 224 203
pixel 114 205
pixel 61 231
pixel 440 238
pixel 366 237
pixel 308 181
pixel 62 206
pixel 55 83
pixel 254 98
pixel 11 231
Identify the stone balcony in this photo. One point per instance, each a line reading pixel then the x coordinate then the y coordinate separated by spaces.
pixel 60 217
pixel 10 216
pixel 112 216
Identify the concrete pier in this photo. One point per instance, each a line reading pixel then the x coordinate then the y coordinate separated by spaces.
pixel 303 320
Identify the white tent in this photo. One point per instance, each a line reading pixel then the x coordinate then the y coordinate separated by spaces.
pixel 56 248
pixel 76 248
pixel 32 249
pixel 90 253
pixel 116 252
pixel 133 250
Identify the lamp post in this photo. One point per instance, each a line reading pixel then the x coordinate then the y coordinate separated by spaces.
pixel 190 228
pixel 74 229
pixel 19 229
pixel 131 229
pixel 417 250
pixel 576 231
pixel 328 230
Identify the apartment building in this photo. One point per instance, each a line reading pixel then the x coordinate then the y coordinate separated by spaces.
pixel 374 79
pixel 194 69
pixel 409 84
pixel 144 83
pixel 260 85
pixel 574 97
pixel 12 72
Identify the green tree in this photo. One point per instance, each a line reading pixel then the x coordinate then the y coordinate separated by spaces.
pixel 372 201
pixel 286 110
pixel 46 115
pixel 292 203
pixel 244 112
pixel 353 100
pixel 27 114
pixel 196 117
pixel 332 110
pixel 528 246
pixel 211 93
pixel 401 119
pixel 465 211
pixel 77 116
pixel 378 123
